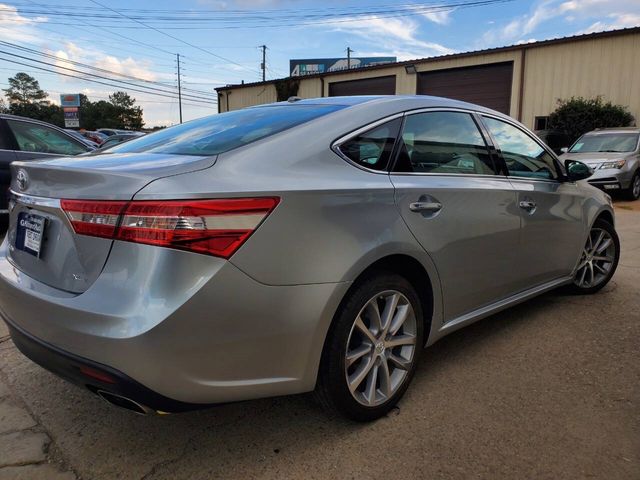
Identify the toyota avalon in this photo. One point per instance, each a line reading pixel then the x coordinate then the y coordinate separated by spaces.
pixel 299 246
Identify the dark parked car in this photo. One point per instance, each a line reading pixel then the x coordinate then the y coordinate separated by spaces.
pixel 26 139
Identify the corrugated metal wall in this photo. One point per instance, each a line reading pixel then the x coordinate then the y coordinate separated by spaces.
pixel 607 66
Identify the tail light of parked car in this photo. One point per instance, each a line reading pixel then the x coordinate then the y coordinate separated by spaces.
pixel 215 227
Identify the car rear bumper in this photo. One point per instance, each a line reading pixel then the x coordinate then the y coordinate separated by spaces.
pixel 92 375
pixel 188 328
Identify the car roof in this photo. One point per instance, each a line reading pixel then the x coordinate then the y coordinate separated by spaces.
pixel 396 102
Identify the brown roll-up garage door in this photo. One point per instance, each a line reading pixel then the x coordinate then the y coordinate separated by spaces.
pixel 486 85
pixel 365 86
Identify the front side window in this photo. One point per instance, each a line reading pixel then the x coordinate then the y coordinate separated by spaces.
pixel 523 155
pixel 225 131
pixel 606 142
pixel 373 148
pixel 443 142
pixel 32 137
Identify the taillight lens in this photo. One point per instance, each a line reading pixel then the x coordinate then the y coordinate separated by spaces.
pixel 214 227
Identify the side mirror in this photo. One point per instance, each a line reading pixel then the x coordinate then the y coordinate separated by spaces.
pixel 577 170
pixel 564 149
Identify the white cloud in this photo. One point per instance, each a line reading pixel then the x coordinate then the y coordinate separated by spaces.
pixel 15 27
pixel 606 14
pixel 441 17
pixel 397 35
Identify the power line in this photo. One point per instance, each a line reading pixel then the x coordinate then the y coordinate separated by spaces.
pixel 84 65
pixel 89 79
pixel 193 97
pixel 168 34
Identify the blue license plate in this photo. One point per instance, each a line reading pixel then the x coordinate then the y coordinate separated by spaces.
pixel 29 233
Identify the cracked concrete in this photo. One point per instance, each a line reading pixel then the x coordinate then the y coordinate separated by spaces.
pixel 549 389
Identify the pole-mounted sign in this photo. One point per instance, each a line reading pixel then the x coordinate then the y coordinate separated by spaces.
pixel 70 103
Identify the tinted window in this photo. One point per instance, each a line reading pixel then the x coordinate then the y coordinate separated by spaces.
pixel 523 155
pixel 220 133
pixel 373 148
pixel 443 142
pixel 606 142
pixel 32 137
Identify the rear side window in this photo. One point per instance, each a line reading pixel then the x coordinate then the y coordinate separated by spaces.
pixel 32 137
pixel 443 142
pixel 226 131
pixel 372 149
pixel 523 155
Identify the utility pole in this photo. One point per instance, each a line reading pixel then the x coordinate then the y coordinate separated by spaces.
pixel 349 52
pixel 263 65
pixel 179 89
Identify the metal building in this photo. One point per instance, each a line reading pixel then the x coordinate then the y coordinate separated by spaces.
pixel 524 81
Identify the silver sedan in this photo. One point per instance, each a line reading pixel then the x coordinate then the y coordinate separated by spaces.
pixel 304 245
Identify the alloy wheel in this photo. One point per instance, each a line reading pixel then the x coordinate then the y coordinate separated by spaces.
pixel 597 259
pixel 381 348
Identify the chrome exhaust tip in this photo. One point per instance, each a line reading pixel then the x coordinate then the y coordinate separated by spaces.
pixel 123 402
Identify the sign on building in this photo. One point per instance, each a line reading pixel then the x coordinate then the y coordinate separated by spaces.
pixel 311 66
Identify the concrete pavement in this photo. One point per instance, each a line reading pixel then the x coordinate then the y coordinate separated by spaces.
pixel 548 389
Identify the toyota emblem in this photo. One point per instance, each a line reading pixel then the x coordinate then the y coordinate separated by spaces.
pixel 22 179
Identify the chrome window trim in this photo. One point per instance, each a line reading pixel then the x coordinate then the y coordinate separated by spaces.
pixel 335 145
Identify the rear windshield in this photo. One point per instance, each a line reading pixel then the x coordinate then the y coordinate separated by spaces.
pixel 606 142
pixel 226 131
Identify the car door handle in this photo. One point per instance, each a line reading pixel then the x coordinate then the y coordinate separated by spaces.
pixel 528 205
pixel 425 206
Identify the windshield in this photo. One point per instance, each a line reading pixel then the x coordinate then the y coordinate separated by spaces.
pixel 223 132
pixel 606 142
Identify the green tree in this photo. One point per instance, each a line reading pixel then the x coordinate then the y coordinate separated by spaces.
pixel 24 89
pixel 579 115
pixel 129 115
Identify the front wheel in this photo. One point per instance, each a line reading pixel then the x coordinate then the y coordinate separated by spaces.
pixel 372 348
pixel 599 259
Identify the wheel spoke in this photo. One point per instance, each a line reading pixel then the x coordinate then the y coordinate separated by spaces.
pixel 597 242
pixel 357 353
pixel 359 375
pixel 582 277
pixel 604 259
pixel 370 389
pixel 373 314
pixel 591 273
pixel 391 303
pixel 604 245
pixel 400 340
pixel 365 330
pixel 398 320
pixel 399 362
pixel 601 268
pixel 385 379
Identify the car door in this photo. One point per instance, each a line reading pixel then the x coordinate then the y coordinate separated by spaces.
pixel 458 206
pixel 551 210
pixel 35 140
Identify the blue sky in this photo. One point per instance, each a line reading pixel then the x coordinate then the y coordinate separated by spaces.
pixel 62 32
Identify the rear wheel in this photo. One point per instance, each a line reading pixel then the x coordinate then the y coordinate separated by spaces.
pixel 372 348
pixel 633 192
pixel 599 259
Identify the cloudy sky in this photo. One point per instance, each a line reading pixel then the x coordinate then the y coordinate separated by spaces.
pixel 92 46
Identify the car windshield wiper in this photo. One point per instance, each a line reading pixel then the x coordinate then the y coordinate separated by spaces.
pixel 610 151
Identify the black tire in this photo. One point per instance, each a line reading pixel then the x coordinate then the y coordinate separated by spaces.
pixel 332 389
pixel 629 193
pixel 574 288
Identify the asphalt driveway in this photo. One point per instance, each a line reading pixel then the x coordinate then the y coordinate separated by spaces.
pixel 548 389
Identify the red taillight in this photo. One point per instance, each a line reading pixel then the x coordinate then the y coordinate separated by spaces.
pixel 214 227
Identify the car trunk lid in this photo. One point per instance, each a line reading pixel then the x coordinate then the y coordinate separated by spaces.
pixel 42 242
